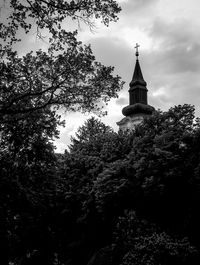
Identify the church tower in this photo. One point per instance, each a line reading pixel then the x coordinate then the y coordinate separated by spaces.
pixel 138 106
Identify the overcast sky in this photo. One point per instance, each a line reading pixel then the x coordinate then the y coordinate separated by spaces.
pixel 168 32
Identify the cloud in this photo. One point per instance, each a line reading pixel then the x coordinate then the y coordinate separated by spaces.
pixel 122 101
pixel 60 147
pixel 114 52
pixel 68 127
pixel 177 50
pixel 133 6
pixel 138 14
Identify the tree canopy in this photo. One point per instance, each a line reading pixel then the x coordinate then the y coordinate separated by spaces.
pixel 113 198
pixel 139 190
pixel 66 74
pixel 50 15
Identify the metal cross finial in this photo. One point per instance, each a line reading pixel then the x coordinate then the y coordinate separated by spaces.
pixel 137 52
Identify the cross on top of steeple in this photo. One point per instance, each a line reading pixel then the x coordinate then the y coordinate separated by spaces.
pixel 137 52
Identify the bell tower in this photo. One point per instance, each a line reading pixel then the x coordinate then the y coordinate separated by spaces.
pixel 138 106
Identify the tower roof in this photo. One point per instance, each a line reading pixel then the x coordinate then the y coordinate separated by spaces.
pixel 137 76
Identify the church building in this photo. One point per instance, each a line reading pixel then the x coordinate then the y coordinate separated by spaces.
pixel 138 106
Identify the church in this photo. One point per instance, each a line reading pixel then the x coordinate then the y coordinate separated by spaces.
pixel 138 107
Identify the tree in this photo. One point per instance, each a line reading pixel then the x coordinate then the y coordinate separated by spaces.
pixel 95 146
pixel 28 182
pixel 160 166
pixel 129 198
pixel 51 14
pixel 155 172
pixel 71 80
pixel 34 199
pixel 67 74
pixel 91 128
pixel 133 197
pixel 145 243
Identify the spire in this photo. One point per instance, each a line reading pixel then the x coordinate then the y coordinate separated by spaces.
pixel 138 90
pixel 137 76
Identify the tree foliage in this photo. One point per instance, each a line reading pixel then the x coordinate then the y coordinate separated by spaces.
pixel 71 80
pixel 66 75
pixel 51 14
pixel 121 198
pixel 91 129
pixel 34 205
pixel 145 243
pixel 144 192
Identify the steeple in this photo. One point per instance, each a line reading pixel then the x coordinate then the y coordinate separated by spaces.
pixel 137 75
pixel 138 92
pixel 138 104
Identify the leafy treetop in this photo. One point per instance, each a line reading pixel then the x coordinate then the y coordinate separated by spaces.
pixel 66 75
pixel 50 15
